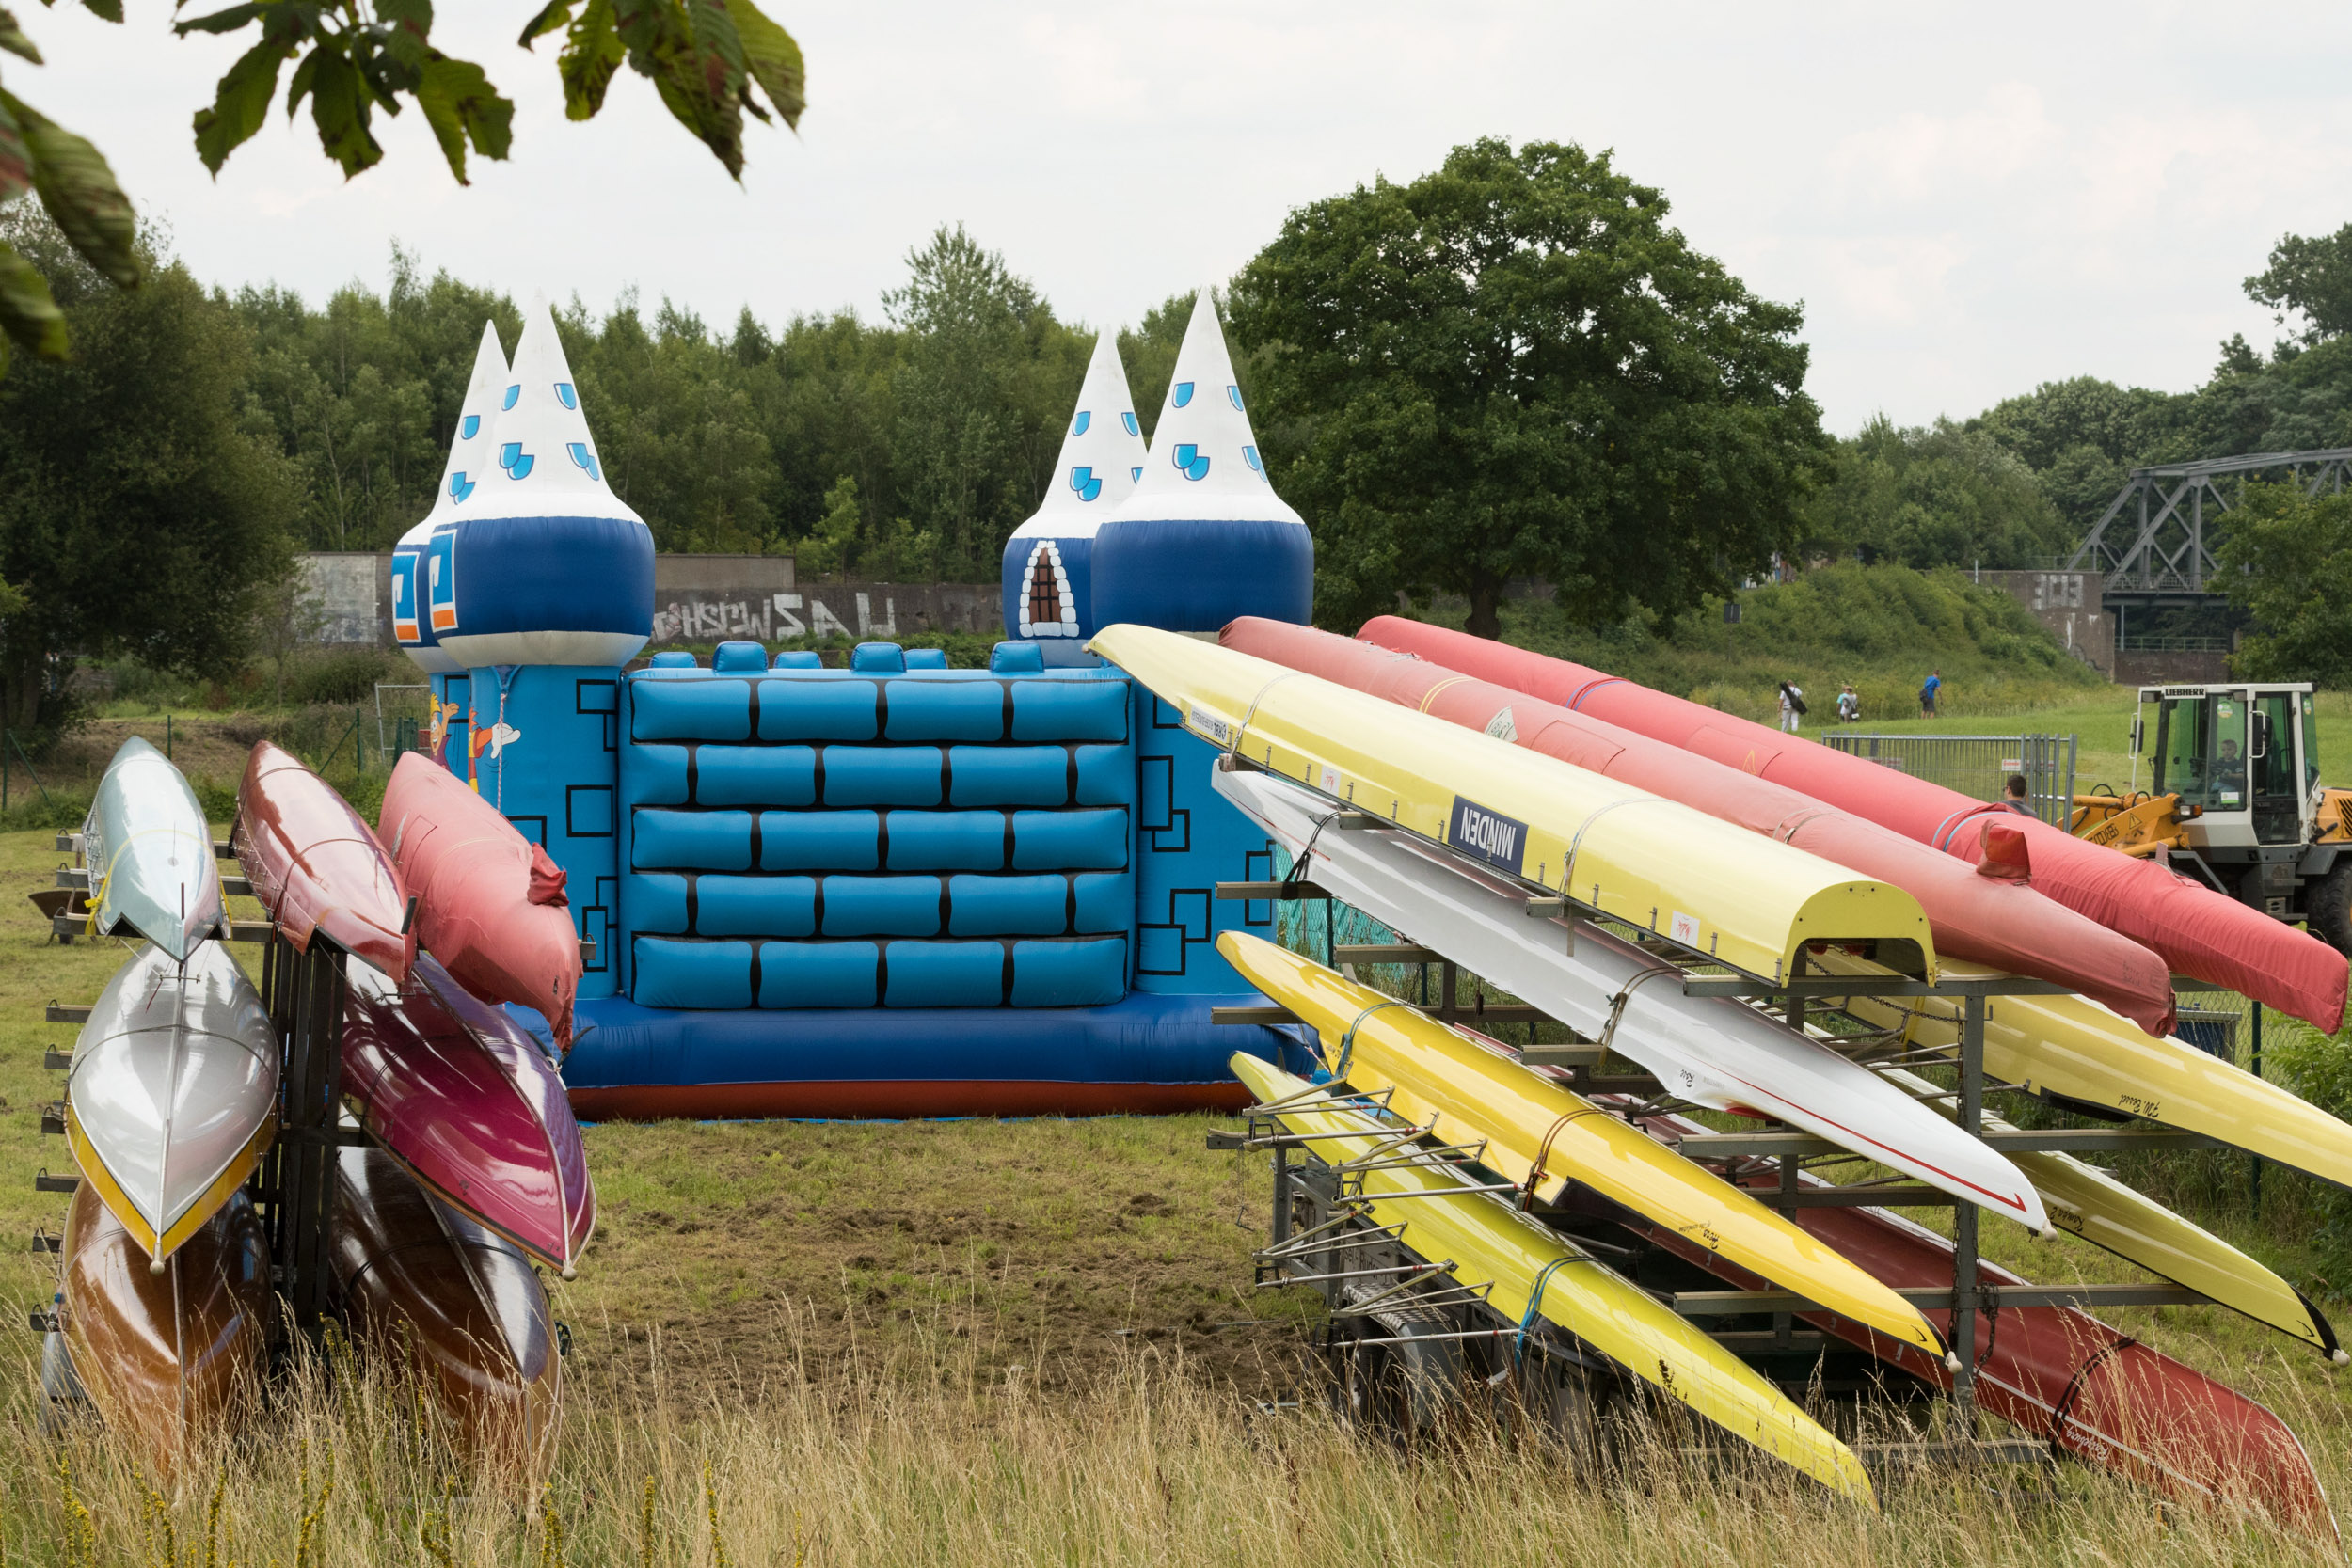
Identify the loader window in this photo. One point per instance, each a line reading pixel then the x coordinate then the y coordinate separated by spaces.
pixel 2310 744
pixel 2277 800
pixel 2201 750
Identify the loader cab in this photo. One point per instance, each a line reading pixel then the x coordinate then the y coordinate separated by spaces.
pixel 2246 755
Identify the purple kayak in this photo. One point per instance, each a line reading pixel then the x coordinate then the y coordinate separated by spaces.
pixel 456 1092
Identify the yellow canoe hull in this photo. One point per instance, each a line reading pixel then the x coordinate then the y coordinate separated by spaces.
pixel 2068 1046
pixel 1436 1077
pixel 1487 1241
pixel 2086 1201
pixel 1651 863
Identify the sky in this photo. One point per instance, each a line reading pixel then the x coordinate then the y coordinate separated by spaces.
pixel 1968 200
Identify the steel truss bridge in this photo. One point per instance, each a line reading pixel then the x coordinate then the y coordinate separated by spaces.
pixel 2152 546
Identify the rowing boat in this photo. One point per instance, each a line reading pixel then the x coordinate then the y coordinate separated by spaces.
pixel 315 863
pixel 2069 1049
pixel 467 1102
pixel 170 1358
pixel 1538 1135
pixel 1712 1052
pixel 1741 898
pixel 491 903
pixel 1986 912
pixel 422 1282
pixel 2086 1201
pixel 171 1095
pixel 1535 1272
pixel 150 854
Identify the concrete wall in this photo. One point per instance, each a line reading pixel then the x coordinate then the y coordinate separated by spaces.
pixel 697 598
pixel 2069 604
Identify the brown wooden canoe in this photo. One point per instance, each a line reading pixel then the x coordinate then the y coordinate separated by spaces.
pixel 464 1303
pixel 173 1358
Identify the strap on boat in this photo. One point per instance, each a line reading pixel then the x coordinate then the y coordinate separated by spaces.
pixel 1543 1153
pixel 2061 1411
pixel 1534 1301
pixel 1616 1010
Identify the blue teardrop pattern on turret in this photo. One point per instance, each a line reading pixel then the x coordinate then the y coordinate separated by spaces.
pixel 1083 481
pixel 470 427
pixel 1182 394
pixel 584 460
pixel 459 486
pixel 566 396
pixel 1137 473
pixel 1233 395
pixel 515 461
pixel 1078 425
pixel 1249 456
pixel 1133 429
pixel 1189 462
pixel 512 394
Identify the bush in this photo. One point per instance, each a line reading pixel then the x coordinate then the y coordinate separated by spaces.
pixel 341 676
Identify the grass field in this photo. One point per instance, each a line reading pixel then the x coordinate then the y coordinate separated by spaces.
pixel 1030 1342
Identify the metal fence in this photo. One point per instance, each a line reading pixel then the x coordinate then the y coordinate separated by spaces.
pixel 1977 765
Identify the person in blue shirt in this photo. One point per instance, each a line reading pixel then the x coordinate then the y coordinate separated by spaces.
pixel 1929 693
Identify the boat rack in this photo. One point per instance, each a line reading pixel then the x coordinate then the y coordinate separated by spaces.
pixel 1580 1066
pixel 293 1185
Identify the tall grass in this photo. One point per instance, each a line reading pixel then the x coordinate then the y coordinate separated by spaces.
pixel 1144 1464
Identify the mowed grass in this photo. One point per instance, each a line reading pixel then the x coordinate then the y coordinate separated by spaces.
pixel 1023 1341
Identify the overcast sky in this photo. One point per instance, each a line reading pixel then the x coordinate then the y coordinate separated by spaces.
pixel 1968 199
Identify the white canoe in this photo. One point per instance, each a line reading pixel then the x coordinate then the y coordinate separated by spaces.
pixel 172 1093
pixel 150 854
pixel 1710 1051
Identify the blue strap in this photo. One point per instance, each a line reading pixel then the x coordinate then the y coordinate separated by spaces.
pixel 1536 1301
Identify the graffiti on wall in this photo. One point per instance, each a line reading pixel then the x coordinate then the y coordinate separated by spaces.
pixel 715 618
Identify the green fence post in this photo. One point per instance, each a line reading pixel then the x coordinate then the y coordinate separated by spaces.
pixel 166 737
pixel 359 745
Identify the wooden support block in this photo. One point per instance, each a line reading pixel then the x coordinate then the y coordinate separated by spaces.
pixel 56 1061
pixel 44 1241
pixel 53 1119
pixel 1257 891
pixel 44 1182
pixel 69 1012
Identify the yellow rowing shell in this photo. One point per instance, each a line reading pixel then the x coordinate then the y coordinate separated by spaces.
pixel 1482 1240
pixel 2086 1201
pixel 2065 1045
pixel 1654 863
pixel 1468 1093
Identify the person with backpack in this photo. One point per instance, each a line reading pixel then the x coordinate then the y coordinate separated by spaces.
pixel 1848 706
pixel 1930 693
pixel 1791 706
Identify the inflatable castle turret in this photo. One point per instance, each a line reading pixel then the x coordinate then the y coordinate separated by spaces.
pixel 1205 538
pixel 537 581
pixel 1047 583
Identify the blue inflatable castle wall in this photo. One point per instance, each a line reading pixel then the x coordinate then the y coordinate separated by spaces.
pixel 894 888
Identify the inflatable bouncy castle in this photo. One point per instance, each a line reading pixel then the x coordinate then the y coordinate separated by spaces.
pixel 894 888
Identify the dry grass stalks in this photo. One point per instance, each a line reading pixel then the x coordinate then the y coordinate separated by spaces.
pixel 1144 1466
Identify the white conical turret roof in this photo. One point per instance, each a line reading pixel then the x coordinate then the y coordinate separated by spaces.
pixel 543 462
pixel 472 452
pixel 1102 453
pixel 1204 463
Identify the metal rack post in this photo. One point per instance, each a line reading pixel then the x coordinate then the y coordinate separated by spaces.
pixel 1964 1217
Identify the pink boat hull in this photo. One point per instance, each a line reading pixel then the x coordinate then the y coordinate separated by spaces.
pixel 315 865
pixel 491 906
pixel 454 1090
pixel 2195 929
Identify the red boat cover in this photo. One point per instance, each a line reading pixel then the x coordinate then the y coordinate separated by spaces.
pixel 2195 929
pixel 474 877
pixel 1987 918
pixel 315 865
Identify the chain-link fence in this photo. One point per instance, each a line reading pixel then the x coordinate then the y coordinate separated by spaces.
pixel 1977 765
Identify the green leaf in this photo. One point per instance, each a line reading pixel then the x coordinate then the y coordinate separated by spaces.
pixel 12 38
pixel 551 16
pixel 80 192
pixel 339 108
pixel 16 159
pixel 461 105
pixel 105 10
pixel 28 317
pixel 220 21
pixel 774 62
pixel 592 53
pixel 240 102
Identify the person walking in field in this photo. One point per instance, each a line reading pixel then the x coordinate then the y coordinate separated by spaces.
pixel 1930 693
pixel 1848 706
pixel 1791 706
